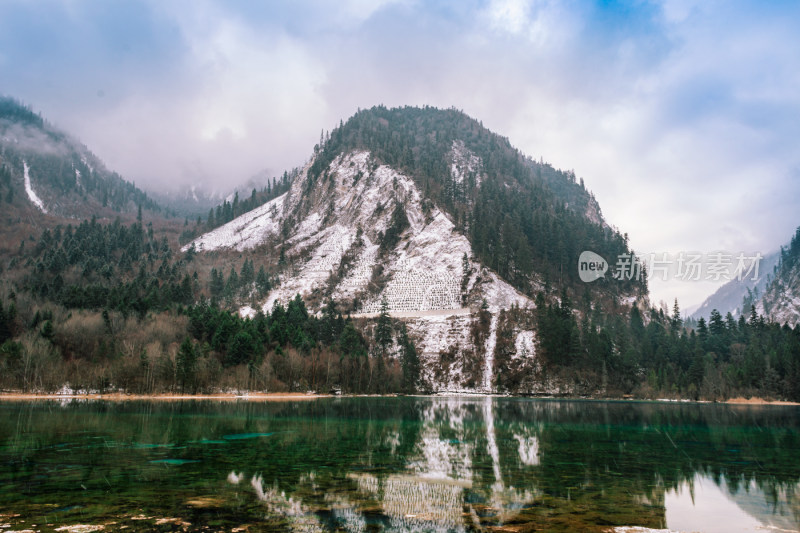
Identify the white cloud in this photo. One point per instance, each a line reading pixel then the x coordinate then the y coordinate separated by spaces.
pixel 545 24
pixel 241 101
pixel 356 12
pixel 509 15
pixel 677 11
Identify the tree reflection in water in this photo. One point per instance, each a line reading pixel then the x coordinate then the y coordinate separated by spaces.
pixel 406 464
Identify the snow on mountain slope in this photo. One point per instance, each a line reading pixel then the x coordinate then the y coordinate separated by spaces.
pixel 346 212
pixel 425 270
pixel 32 196
pixel 464 164
pixel 781 302
pixel 787 311
pixel 247 231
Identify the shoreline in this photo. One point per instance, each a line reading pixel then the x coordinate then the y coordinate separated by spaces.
pixel 305 396
pixel 122 397
pixel 757 401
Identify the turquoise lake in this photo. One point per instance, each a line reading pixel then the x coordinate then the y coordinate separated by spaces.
pixel 398 464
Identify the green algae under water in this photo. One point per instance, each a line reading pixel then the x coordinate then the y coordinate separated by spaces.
pixel 398 464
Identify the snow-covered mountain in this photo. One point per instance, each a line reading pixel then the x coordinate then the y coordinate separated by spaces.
pixel 367 233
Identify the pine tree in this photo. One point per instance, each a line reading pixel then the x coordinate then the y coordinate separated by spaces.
pixel 353 358
pixel 380 374
pixel 186 364
pixel 247 273
pixel 702 330
pixel 409 362
pixel 47 330
pixel 465 273
pixel 383 330
pixel 5 325
pixel 676 322
pixel 107 321
pixel 715 324
pixel 232 286
pixel 753 316
pixel 144 367
pixel 217 284
pixel 262 281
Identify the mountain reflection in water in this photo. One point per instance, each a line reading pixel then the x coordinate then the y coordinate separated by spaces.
pixel 402 464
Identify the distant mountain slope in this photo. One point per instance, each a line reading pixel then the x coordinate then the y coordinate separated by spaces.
pixel 197 202
pixel 429 215
pixel 44 167
pixel 189 203
pixel 731 297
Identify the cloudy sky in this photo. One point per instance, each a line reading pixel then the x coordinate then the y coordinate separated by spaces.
pixel 683 117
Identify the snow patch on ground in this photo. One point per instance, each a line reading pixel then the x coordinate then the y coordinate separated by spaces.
pixel 359 275
pixel 426 275
pixel 329 246
pixel 524 344
pixel 501 295
pixel 419 314
pixel 439 333
pixel 464 163
pixel 247 312
pixel 334 243
pixel 32 196
pixel 433 335
pixel 307 229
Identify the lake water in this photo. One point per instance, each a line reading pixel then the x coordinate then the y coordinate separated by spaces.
pixel 398 464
